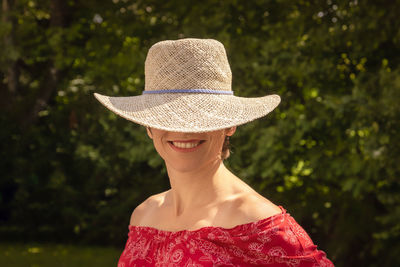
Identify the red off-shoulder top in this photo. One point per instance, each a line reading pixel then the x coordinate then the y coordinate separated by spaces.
pixel 275 241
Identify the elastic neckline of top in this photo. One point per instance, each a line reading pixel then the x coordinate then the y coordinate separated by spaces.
pixel 204 228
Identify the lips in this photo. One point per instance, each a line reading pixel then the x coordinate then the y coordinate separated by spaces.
pixel 185 145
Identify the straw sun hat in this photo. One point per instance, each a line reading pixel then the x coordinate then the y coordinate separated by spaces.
pixel 188 89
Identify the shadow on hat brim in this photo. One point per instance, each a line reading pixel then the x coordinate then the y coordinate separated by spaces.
pixel 187 112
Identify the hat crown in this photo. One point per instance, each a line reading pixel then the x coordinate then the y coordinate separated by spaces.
pixel 187 64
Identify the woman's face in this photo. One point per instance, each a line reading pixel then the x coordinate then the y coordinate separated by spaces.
pixel 189 151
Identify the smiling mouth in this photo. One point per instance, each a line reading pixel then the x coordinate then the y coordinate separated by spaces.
pixel 186 144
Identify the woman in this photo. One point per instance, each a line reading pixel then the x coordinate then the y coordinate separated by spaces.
pixel 209 217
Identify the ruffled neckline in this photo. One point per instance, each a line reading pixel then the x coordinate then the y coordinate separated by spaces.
pixel 237 228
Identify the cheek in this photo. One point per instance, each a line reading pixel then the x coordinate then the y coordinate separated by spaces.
pixel 219 140
pixel 216 146
pixel 158 147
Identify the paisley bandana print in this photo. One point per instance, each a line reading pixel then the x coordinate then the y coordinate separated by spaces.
pixel 275 241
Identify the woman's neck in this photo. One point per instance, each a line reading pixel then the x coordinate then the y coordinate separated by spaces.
pixel 205 186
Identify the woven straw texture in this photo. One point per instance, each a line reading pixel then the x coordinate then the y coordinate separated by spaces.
pixel 189 64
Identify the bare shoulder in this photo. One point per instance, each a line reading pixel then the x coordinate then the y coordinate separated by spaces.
pixel 146 208
pixel 251 207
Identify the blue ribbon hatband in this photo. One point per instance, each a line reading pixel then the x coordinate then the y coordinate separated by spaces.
pixel 203 91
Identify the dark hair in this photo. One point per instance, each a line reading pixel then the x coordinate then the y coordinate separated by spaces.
pixel 226 152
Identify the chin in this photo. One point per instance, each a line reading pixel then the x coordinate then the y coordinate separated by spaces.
pixel 192 165
pixel 185 166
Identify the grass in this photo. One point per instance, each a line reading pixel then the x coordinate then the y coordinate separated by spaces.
pixel 56 255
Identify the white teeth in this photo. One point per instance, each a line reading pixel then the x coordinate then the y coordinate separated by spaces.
pixel 185 145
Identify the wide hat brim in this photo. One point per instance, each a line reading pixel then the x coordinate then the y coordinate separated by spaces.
pixel 190 112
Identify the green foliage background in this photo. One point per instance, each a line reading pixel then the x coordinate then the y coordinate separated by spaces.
pixel 71 171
